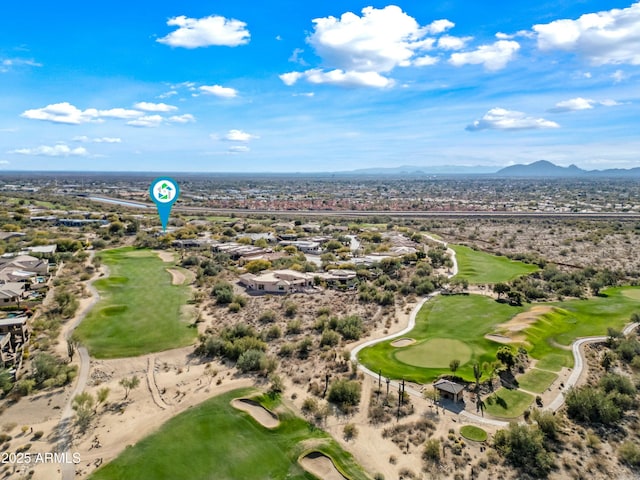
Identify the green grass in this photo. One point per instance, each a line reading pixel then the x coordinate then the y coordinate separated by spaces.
pixel 467 318
pixel 461 318
pixel 214 440
pixel 481 268
pixel 508 403
pixel 139 312
pixel 471 432
pixel 536 381
pixel 572 319
pixel 429 353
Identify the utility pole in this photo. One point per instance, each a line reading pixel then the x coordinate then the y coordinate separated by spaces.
pixel 399 400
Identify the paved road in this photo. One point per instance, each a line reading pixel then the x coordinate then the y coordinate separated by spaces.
pixel 374 213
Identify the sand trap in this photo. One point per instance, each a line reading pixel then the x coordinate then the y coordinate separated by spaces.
pixel 524 319
pixel 503 338
pixel 177 277
pixel 318 464
pixel 402 342
pixel 264 417
pixel 165 256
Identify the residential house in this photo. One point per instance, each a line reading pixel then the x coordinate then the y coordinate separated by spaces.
pixel 277 281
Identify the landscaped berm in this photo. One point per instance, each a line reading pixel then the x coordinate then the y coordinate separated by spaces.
pixel 140 311
pixel 216 440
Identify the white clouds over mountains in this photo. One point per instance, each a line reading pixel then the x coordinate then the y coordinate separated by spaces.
pixel 205 32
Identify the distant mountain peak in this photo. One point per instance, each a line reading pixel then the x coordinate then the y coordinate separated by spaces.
pixel 544 168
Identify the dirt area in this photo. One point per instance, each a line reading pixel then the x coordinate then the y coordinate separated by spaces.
pixel 318 464
pixel 177 277
pixel 260 414
pixel 402 342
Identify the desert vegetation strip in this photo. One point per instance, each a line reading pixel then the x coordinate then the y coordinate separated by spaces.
pixel 214 440
pixel 481 268
pixel 140 309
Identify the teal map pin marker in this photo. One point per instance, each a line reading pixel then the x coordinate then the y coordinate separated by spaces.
pixel 164 192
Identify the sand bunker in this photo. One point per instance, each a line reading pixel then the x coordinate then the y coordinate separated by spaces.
pixel 402 342
pixel 524 319
pixel 165 256
pixel 264 417
pixel 177 277
pixel 503 338
pixel 318 464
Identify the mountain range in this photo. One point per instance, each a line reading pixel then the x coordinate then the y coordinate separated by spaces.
pixel 539 169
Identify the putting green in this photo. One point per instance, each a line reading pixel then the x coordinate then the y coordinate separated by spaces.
pixel 632 293
pixel 435 353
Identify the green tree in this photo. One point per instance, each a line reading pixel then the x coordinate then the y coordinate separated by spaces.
pixel 129 384
pixel 501 289
pixel 506 356
pixel 83 405
pixel 454 365
pixel 102 396
pixel 256 266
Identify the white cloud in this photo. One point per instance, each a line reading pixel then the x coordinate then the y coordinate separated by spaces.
pixel 219 91
pixel 573 105
pixel 239 149
pixel 348 78
pixel 358 50
pixel 618 76
pixel 296 56
pixel 61 113
pixel 291 77
pixel 59 150
pixel 439 26
pixel 580 103
pixel 186 118
pixel 154 107
pixel 449 42
pixel 85 139
pixel 7 64
pixel 502 119
pixel 148 121
pixel 304 94
pixel 338 77
pixel 520 33
pixel 376 42
pixel 168 94
pixel 205 32
pixel 123 113
pixel 492 57
pixel 606 37
pixel 4 162
pixel 425 61
pixel 239 136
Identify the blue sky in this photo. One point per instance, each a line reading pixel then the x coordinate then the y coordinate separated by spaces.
pixel 317 86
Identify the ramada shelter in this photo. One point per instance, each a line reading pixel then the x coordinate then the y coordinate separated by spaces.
pixel 449 390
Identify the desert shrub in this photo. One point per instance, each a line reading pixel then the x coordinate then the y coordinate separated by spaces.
pixel 290 309
pixel 350 327
pixel 223 293
pixel 268 316
pixel 587 404
pixel 431 451
pixel 329 338
pixel 345 392
pixel 350 431
pixel 629 452
pixel 524 448
pixel 250 361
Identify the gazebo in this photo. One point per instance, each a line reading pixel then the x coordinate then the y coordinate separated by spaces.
pixel 449 389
